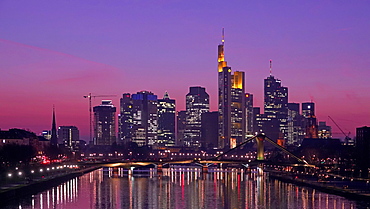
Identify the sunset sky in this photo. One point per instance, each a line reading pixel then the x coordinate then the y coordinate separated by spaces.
pixel 55 52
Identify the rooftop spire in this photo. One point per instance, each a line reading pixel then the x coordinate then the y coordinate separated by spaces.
pixel 223 36
pixel 166 96
pixel 270 67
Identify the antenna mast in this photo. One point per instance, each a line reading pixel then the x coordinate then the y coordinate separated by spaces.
pixel 223 36
pixel 270 67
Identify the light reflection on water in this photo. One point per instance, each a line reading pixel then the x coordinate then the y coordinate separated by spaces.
pixel 181 188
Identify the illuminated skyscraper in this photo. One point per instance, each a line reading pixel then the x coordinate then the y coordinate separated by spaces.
pixel 139 118
pixel 238 111
pixel 144 118
pixel 197 102
pixel 323 131
pixel 294 122
pixel 125 119
pixel 309 121
pixel 249 113
pixel 231 103
pixel 275 107
pixel 105 123
pixel 166 120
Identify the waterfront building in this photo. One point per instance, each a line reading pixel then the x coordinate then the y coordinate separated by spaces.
pixel 125 121
pixel 104 123
pixel 197 102
pixel 166 120
pixel 138 118
pixel 231 103
pixel 69 136
pixel 275 107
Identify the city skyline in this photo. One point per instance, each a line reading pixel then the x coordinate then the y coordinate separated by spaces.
pixel 55 53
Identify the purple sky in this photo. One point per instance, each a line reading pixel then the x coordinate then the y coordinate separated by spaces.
pixel 54 52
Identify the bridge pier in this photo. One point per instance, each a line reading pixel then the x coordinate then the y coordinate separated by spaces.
pixel 204 168
pixel 260 147
pixel 159 168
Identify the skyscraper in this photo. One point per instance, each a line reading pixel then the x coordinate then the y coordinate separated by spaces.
pixel 166 120
pixel 125 122
pixel 309 120
pixel 138 118
pixel 323 131
pixel 209 130
pixel 197 102
pixel 295 133
pixel 181 126
pixel 238 111
pixel 249 113
pixel 275 107
pixel 363 149
pixel 105 123
pixel 231 103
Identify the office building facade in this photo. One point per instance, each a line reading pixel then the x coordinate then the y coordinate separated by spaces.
pixel 197 103
pixel 166 120
pixel 104 123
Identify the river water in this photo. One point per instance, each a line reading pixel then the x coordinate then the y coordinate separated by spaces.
pixel 181 188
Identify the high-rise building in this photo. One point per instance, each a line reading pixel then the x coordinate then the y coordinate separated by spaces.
pixel 70 136
pixel 231 103
pixel 125 122
pixel 181 126
pixel 249 114
pixel 257 127
pixel 197 102
pixel 209 130
pixel 238 111
pixel 295 133
pixel 166 120
pixel 275 107
pixel 139 118
pixel 323 131
pixel 363 148
pixel 104 123
pixel 309 120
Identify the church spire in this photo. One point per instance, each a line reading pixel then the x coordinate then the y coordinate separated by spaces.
pixel 54 137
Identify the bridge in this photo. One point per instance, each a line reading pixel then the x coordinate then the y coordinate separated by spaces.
pixel 219 160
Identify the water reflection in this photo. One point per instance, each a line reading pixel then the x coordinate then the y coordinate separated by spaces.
pixel 181 188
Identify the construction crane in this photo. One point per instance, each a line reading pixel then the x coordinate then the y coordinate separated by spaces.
pixel 346 135
pixel 89 96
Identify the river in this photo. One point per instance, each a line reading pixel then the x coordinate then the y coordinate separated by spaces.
pixel 179 188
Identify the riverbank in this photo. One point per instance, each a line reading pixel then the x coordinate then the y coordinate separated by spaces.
pixel 346 188
pixel 16 191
